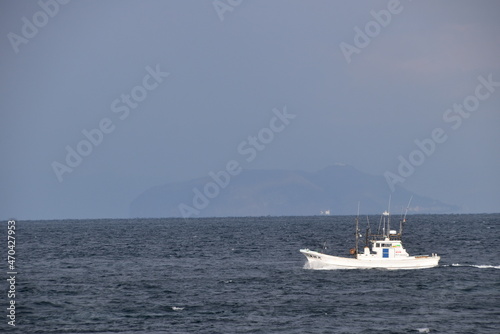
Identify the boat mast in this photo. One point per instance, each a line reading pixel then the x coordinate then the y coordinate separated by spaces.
pixel 357 231
pixel 368 231
pixel 385 221
pixel 389 218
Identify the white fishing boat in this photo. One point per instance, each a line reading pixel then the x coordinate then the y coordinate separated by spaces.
pixel 381 251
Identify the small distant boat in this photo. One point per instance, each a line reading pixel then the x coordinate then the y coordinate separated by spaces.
pixel 381 251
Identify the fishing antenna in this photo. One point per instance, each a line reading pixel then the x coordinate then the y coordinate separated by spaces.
pixel 389 216
pixel 404 217
pixel 407 207
pixel 380 224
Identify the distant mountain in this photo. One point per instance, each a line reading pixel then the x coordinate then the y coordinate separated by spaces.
pixel 337 188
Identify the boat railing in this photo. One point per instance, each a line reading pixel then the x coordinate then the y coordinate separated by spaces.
pixel 382 237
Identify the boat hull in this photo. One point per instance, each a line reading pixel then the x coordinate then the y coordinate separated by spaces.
pixel 318 260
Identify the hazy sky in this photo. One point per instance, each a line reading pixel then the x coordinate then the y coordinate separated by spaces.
pixel 175 87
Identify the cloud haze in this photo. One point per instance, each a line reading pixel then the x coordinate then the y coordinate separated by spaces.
pixel 225 77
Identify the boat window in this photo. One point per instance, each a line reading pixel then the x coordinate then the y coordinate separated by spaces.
pixel 377 245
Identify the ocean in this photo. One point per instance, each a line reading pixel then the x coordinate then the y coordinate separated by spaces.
pixel 246 275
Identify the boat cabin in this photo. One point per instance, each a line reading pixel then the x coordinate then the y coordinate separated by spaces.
pixel 385 249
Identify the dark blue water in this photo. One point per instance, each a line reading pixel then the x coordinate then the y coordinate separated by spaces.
pixel 246 275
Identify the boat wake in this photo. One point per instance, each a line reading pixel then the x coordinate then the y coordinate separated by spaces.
pixel 318 266
pixel 175 308
pixel 480 266
pixel 326 266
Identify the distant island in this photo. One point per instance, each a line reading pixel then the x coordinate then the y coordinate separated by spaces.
pixel 334 190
